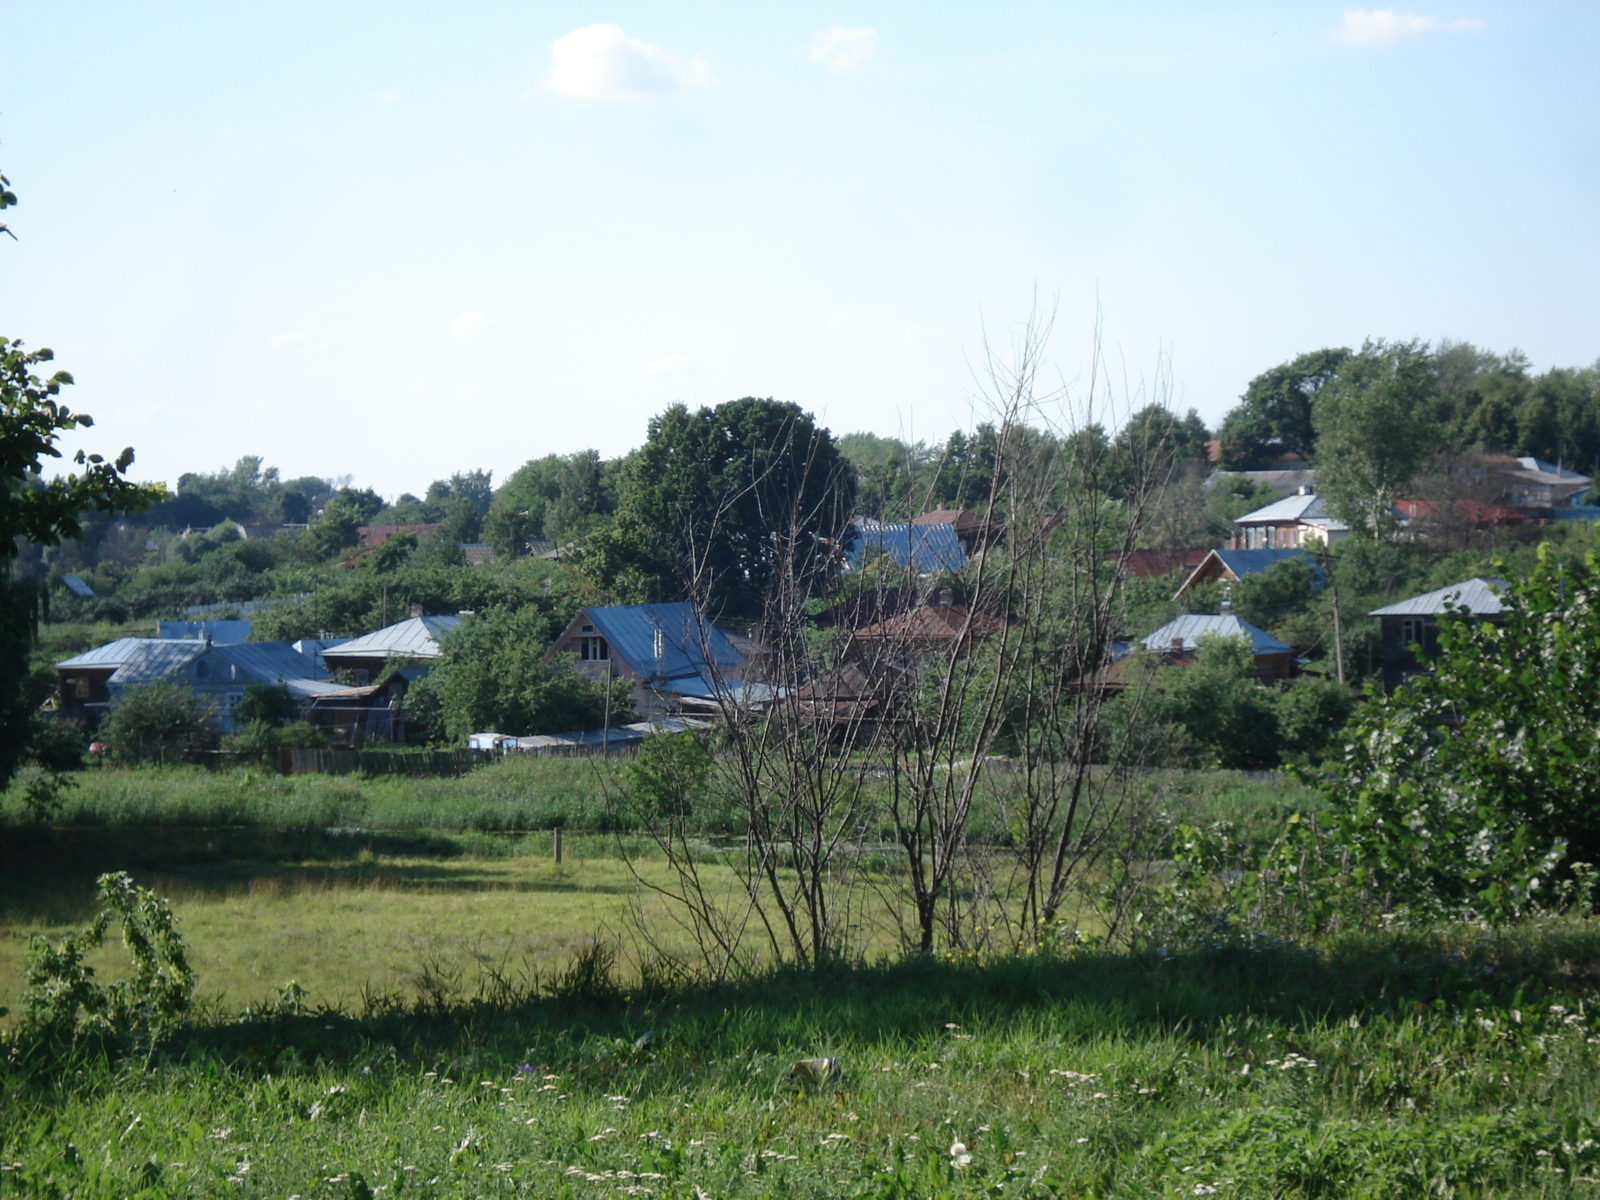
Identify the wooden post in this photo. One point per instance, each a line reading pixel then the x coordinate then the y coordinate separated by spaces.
pixel 557 843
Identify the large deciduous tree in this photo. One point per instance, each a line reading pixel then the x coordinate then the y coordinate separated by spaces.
pixel 1274 417
pixel 721 503
pixel 1374 431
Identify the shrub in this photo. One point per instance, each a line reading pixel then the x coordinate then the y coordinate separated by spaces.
pixel 62 997
pixel 158 719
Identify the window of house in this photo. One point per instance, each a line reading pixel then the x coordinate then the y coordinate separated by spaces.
pixel 593 649
pixel 80 687
pixel 230 701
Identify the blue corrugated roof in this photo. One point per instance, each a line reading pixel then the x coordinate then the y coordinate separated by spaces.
pixel 1190 629
pixel 156 660
pixel 77 586
pixel 691 646
pixel 112 654
pixel 216 631
pixel 1249 562
pixel 416 637
pixel 268 662
pixel 923 548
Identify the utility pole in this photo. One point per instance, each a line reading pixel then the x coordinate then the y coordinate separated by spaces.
pixel 1338 625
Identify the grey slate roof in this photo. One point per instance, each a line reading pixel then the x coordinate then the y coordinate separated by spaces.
pixel 924 548
pixel 1481 595
pixel 1290 508
pixel 415 637
pixel 1190 629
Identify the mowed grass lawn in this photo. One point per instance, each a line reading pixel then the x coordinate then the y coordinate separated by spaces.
pixel 377 925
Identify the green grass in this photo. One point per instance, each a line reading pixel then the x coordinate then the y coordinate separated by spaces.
pixel 1392 1066
pixel 512 795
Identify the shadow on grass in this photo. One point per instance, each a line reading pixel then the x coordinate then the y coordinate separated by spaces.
pixel 49 874
pixel 585 1025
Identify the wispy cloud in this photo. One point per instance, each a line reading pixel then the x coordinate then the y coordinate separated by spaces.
pixel 841 49
pixel 1385 27
pixel 600 62
pixel 469 325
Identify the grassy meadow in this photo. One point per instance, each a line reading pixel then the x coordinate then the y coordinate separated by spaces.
pixel 447 1045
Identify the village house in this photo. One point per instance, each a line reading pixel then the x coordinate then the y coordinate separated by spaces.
pixel 1415 623
pixel 90 683
pixel 924 549
pixel 677 660
pixel 1288 524
pixel 1232 566
pixel 409 643
pixel 1178 643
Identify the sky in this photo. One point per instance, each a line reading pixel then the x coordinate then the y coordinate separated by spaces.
pixel 390 241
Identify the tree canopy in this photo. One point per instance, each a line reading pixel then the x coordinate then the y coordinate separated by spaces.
pixel 721 503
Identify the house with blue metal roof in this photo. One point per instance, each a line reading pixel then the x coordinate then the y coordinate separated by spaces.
pixel 676 657
pixel 1230 566
pixel 1181 641
pixel 91 683
pixel 925 549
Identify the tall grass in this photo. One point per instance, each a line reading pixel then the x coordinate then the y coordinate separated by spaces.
pixel 1386 1066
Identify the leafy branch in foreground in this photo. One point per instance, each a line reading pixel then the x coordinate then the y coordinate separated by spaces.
pixel 63 997
pixel 1471 786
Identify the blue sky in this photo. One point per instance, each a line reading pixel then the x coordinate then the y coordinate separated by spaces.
pixel 392 241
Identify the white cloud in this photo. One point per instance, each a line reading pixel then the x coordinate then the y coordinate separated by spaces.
pixel 1385 27
pixel 284 341
pixel 600 62
pixel 841 49
pixel 469 325
pixel 389 97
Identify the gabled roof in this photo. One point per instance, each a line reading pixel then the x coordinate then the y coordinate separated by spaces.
pixel 923 548
pixel 1241 564
pixel 1285 483
pixel 1290 508
pixel 1530 463
pixel 112 654
pixel 156 660
pixel 692 648
pixel 1480 595
pixel 254 662
pixel 938 622
pixel 416 637
pixel 1190 629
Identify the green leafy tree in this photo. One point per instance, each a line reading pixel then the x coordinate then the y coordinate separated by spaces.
pixel 269 703
pixel 724 503
pixel 1275 417
pixel 1374 432
pixel 1230 718
pixel 1467 789
pixel 492 674
pixel 158 719
pixel 516 513
pixel 1151 445
pixel 40 511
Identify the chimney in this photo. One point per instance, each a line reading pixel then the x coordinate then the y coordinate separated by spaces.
pixel 945 598
pixel 1177 645
pixel 1225 608
pixel 416 610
